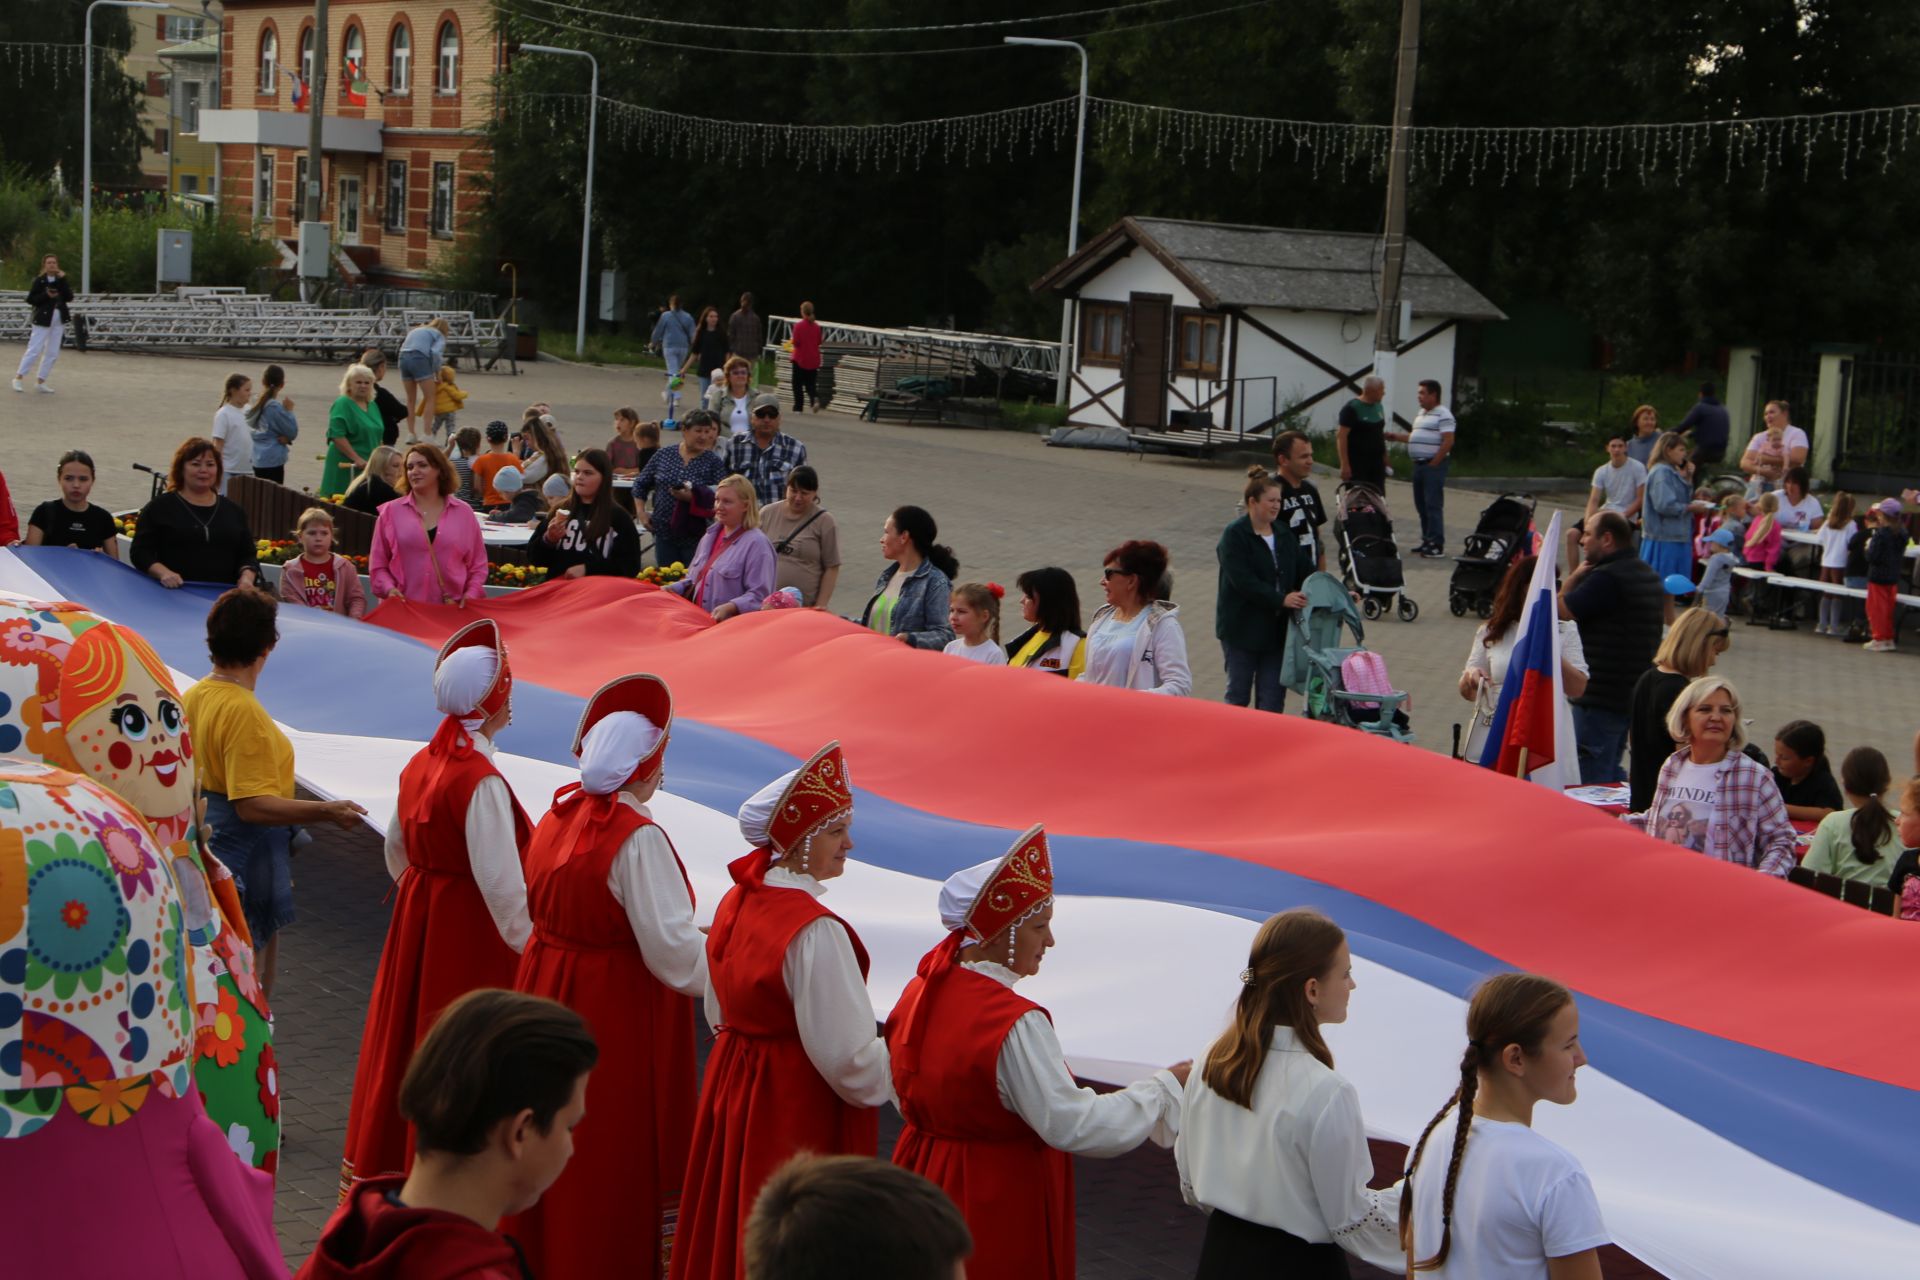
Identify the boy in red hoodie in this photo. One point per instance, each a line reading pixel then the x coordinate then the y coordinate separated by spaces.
pixel 493 1094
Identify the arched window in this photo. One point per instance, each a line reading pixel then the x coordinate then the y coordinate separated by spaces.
pixel 448 78
pixel 306 57
pixel 353 56
pixel 400 62
pixel 269 62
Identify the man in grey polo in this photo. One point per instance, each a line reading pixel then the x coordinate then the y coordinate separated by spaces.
pixel 1429 446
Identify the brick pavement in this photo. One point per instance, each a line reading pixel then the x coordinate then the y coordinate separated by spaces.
pixel 1006 503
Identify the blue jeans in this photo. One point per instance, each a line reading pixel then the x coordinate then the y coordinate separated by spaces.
pixel 1602 737
pixel 1429 499
pixel 675 357
pixel 1256 674
pixel 258 858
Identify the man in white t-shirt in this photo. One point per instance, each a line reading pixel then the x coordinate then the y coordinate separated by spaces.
pixel 1619 484
pixel 1429 445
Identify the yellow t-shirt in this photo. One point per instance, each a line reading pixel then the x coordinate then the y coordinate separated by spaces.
pixel 238 749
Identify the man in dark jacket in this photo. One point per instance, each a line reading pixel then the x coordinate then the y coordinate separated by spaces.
pixel 1619 603
pixel 1708 423
pixel 47 297
pixel 1260 565
pixel 745 332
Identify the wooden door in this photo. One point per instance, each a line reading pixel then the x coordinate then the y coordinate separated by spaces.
pixel 1149 317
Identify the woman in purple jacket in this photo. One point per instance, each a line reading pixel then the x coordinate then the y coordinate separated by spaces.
pixel 733 569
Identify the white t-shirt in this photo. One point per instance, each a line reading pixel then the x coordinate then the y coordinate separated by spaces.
pixel 1833 545
pixel 1692 808
pixel 235 438
pixel 1803 514
pixel 986 651
pixel 1429 430
pixel 1520 1199
pixel 1620 484
pixel 1110 652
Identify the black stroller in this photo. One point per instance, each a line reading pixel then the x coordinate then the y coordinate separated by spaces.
pixel 1503 535
pixel 1369 559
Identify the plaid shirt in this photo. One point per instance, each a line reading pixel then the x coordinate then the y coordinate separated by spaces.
pixel 765 469
pixel 1753 830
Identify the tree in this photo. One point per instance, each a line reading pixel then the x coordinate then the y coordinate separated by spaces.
pixel 40 99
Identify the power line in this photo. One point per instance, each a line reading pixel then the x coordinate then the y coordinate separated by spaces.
pixel 984 25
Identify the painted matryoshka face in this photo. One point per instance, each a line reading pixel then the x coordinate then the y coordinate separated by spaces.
pixel 135 744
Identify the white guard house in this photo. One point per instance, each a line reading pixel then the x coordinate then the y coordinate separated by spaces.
pixel 1196 335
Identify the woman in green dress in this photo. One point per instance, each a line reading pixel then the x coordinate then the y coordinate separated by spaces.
pixel 353 430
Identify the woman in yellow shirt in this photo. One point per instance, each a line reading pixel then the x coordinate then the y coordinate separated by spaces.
pixel 1056 641
pixel 246 771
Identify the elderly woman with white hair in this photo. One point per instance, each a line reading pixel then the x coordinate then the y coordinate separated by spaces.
pixel 1712 797
pixel 993 1116
pixel 796 1065
pixel 354 429
pixel 614 940
pixel 454 847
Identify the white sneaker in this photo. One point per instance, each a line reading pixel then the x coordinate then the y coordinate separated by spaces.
pixel 44 389
pixel 19 385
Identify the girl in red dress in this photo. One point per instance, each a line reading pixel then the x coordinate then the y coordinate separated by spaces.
pixel 454 847
pixel 796 1065
pixel 992 1113
pixel 614 940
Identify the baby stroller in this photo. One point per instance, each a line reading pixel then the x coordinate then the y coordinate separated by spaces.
pixel 1504 534
pixel 1343 683
pixel 1369 560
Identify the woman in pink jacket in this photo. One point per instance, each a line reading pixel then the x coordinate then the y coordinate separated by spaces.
pixel 426 543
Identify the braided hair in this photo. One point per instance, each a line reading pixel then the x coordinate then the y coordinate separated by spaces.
pixel 1507 1009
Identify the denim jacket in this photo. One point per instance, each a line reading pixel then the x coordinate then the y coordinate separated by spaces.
pixel 920 614
pixel 1664 514
pixel 273 429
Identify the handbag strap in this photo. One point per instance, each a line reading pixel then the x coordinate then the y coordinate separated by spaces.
pixel 432 559
pixel 786 543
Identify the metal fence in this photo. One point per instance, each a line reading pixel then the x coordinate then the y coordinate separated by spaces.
pixel 1789 375
pixel 1879 444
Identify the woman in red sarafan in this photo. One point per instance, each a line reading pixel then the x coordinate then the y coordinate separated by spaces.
pixel 796 1064
pixel 992 1113
pixel 454 847
pixel 614 940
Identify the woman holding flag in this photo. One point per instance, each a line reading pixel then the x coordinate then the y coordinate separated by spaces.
pixel 1491 654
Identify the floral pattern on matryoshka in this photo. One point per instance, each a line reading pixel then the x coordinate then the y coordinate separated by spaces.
pixel 96 989
pixel 92 697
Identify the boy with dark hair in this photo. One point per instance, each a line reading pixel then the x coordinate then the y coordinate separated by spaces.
pixel 493 1094
pixel 854 1218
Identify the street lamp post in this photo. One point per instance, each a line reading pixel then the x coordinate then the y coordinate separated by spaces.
pixel 86 134
pixel 586 217
pixel 1073 222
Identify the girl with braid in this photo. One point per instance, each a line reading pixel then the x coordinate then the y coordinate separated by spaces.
pixel 1512 1205
pixel 1271 1140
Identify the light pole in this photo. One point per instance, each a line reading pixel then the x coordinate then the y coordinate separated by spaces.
pixel 586 216
pixel 1073 222
pixel 86 134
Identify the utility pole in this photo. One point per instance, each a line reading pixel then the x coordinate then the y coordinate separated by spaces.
pixel 1386 323
pixel 316 98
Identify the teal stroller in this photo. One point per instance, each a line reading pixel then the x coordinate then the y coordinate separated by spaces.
pixel 1342 683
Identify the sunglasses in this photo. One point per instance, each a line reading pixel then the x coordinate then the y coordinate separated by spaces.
pixel 1112 572
pixel 766 413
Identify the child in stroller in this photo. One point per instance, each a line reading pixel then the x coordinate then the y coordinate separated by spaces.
pixel 1369 558
pixel 1503 534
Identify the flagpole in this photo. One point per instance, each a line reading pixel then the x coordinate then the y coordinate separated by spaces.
pixel 1520 770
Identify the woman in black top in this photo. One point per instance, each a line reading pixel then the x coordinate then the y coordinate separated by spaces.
pixel 70 520
pixel 386 404
pixel 378 482
pixel 587 534
pixel 1801 771
pixel 709 347
pixel 1693 644
pixel 190 533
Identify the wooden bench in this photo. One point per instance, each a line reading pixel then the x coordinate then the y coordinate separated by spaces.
pixel 273 508
pixel 1191 433
pixel 1876 898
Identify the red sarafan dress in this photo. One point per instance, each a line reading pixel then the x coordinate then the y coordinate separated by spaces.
pixel 762 1101
pixel 1014 1190
pixel 442 942
pixel 620 1192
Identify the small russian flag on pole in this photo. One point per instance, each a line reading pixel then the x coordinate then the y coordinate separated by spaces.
pixel 1531 733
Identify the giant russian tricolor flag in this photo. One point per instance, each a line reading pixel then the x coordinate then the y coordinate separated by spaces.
pixel 1754 1093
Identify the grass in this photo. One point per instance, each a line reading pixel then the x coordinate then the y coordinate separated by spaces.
pixel 1541 459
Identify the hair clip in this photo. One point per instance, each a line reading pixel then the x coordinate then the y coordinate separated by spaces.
pixel 1246 977
pixel 999 592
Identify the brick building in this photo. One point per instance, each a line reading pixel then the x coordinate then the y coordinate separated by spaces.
pixel 398 169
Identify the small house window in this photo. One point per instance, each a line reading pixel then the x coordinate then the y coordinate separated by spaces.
pixel 269 63
pixel 1103 327
pixel 448 79
pixel 400 62
pixel 353 57
pixel 442 211
pixel 1197 351
pixel 396 195
pixel 263 198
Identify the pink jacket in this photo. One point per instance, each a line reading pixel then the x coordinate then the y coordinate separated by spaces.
pixel 398 561
pixel 346 594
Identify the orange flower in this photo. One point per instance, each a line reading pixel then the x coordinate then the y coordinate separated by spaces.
pixel 223 1036
pixel 109 1101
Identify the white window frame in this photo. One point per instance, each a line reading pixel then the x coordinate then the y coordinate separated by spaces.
pixel 263 176
pixel 191 94
pixel 353 45
pixel 400 61
pixel 445 186
pixel 270 63
pixel 179 30
pixel 306 58
pixel 446 64
pixel 394 217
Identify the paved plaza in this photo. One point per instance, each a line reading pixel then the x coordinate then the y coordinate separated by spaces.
pixel 1005 503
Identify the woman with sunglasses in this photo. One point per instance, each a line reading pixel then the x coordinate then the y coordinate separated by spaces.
pixel 1692 646
pixel 1135 641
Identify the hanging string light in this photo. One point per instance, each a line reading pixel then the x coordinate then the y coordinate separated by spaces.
pixel 37 61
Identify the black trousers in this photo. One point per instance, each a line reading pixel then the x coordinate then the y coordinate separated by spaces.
pixel 1235 1249
pixel 806 386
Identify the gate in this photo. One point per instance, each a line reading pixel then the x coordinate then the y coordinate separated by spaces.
pixel 1879 445
pixel 1793 376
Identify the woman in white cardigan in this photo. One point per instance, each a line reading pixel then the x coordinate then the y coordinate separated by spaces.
pixel 1135 641
pixel 1271 1140
pixel 1492 651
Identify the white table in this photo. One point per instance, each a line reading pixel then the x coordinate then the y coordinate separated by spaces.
pixel 505 535
pixel 1811 538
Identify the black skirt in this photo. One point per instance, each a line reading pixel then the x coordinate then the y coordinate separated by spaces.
pixel 1235 1249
